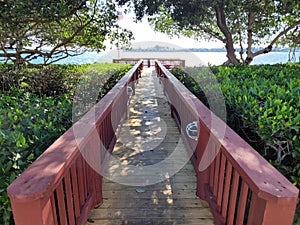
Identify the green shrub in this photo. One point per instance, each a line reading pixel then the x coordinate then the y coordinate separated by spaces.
pixel 263 107
pixel 52 80
pixel 35 109
pixel 263 104
pixel 28 125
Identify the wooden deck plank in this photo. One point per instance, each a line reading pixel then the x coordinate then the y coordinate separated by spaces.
pixel 153 213
pixel 175 203
pixel 147 137
pixel 167 185
pixel 153 221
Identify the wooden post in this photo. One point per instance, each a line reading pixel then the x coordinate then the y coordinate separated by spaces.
pixel 29 212
pixel 202 176
pixel 271 212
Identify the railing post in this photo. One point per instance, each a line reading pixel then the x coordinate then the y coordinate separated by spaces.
pixel 202 176
pixel 96 187
pixel 27 212
pixel 271 212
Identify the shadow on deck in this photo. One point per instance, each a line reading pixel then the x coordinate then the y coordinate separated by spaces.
pixel 141 186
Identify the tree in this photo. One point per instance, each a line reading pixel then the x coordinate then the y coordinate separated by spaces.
pixel 56 29
pixel 243 23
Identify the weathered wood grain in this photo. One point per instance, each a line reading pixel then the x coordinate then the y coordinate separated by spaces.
pixel 148 137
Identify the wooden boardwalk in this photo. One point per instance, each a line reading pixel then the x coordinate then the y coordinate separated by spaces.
pixel 140 186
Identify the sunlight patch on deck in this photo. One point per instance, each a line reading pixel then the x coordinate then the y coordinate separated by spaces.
pixel 148 137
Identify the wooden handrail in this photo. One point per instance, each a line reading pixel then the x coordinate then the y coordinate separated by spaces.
pixel 168 63
pixel 64 183
pixel 240 185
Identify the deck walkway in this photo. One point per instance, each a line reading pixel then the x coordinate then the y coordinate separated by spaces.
pixel 139 188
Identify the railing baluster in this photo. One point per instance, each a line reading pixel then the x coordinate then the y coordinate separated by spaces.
pixel 69 197
pixel 212 168
pixel 61 204
pixel 242 204
pixel 54 207
pixel 255 207
pixel 75 190
pixel 85 177
pixel 221 182
pixel 226 190
pixel 217 171
pixel 233 197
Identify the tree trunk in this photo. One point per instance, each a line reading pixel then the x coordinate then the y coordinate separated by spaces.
pixel 221 21
pixel 19 60
pixel 250 54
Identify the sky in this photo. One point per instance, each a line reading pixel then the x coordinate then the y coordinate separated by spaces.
pixel 142 32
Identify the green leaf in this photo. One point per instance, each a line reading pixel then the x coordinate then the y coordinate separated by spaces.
pixel 12 177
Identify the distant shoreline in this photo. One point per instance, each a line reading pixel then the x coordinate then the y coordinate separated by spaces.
pixel 168 49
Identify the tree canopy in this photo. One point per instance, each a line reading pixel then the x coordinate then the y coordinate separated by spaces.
pixel 55 29
pixel 243 23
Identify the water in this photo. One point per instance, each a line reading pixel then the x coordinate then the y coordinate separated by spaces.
pixel 192 58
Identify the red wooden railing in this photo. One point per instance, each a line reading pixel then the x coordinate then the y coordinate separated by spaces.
pixel 64 184
pixel 240 185
pixel 168 63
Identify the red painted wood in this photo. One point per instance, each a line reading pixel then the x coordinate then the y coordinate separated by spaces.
pixel 69 197
pixel 221 182
pixel 242 156
pixel 80 181
pixel 75 191
pixel 61 205
pixel 212 173
pixel 233 197
pixel 32 193
pixel 218 219
pixel 257 208
pixel 242 204
pixel 86 208
pixel 40 210
pixel 53 204
pixel 217 172
pixel 202 176
pixel 269 213
pixel 269 186
pixel 84 179
pixel 226 190
pixel 168 63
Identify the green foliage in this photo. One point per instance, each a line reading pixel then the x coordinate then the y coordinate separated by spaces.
pixel 28 125
pixel 55 29
pixel 50 80
pixel 243 23
pixel 267 98
pixel 263 106
pixel 35 109
pixel 97 80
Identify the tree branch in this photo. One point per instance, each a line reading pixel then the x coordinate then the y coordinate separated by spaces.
pixel 208 31
pixel 43 20
pixel 221 21
pixel 69 39
pixel 240 40
pixel 250 55
pixel 270 46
